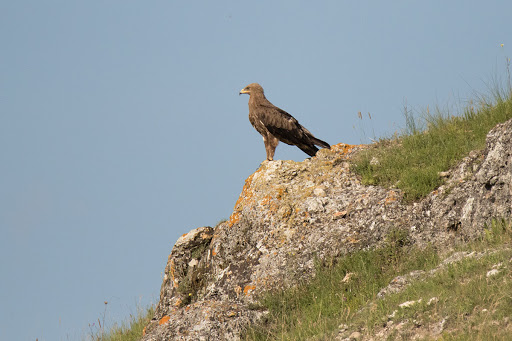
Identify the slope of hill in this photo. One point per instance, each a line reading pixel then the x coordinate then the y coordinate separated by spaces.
pixel 294 218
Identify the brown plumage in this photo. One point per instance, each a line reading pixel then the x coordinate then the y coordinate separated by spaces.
pixel 276 125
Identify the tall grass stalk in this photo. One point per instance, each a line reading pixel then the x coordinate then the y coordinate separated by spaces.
pixel 130 330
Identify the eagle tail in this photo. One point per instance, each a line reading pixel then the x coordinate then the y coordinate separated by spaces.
pixel 320 143
pixel 309 149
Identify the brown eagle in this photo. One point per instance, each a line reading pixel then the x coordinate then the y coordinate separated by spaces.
pixel 276 125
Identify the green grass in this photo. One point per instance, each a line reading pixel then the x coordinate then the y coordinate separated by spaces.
pixel 413 160
pixel 130 330
pixel 475 306
pixel 473 303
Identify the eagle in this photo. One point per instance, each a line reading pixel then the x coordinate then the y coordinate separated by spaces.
pixel 275 124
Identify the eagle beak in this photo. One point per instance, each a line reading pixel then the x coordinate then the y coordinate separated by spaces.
pixel 242 92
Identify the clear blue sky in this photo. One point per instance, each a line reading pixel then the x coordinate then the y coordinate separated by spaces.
pixel 121 127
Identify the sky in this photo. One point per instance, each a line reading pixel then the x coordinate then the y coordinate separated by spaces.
pixel 121 127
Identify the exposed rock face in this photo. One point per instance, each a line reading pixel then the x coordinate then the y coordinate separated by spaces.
pixel 290 214
pixel 479 189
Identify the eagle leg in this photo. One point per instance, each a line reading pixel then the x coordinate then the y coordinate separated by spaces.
pixel 270 146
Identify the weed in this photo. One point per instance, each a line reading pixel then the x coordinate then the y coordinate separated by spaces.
pixel 499 231
pixel 131 330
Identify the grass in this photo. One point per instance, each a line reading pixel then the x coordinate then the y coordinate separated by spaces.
pixel 412 161
pixel 130 330
pixel 472 304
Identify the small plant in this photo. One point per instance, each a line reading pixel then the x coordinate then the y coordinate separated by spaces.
pixel 394 247
pixel 97 331
pixel 498 231
pixel 131 330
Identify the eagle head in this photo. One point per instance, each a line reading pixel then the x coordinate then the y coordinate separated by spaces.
pixel 251 89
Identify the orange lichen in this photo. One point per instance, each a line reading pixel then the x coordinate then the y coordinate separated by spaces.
pixel 172 270
pixel 234 218
pixel 352 240
pixel 271 200
pixel 248 289
pixel 244 198
pixel 164 319
pixel 342 148
pixel 273 207
pixel 266 200
pixel 391 197
pixel 340 214
pixel 280 192
pixel 246 194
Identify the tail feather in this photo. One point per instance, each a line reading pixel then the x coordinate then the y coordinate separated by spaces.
pixel 320 143
pixel 309 149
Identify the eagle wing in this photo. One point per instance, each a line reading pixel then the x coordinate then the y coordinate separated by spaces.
pixel 267 118
pixel 281 124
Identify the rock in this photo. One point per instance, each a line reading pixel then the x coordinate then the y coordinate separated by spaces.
pixel 348 277
pixel 433 300
pixel 355 336
pixel 438 328
pixel 393 314
pixel 291 213
pixel 492 273
pixel 409 303
pixel 445 174
pixel 399 283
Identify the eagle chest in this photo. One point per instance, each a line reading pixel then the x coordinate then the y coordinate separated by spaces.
pixel 257 123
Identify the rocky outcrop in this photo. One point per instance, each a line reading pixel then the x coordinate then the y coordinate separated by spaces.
pixel 292 214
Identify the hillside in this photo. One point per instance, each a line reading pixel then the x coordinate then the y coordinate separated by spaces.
pixel 293 218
